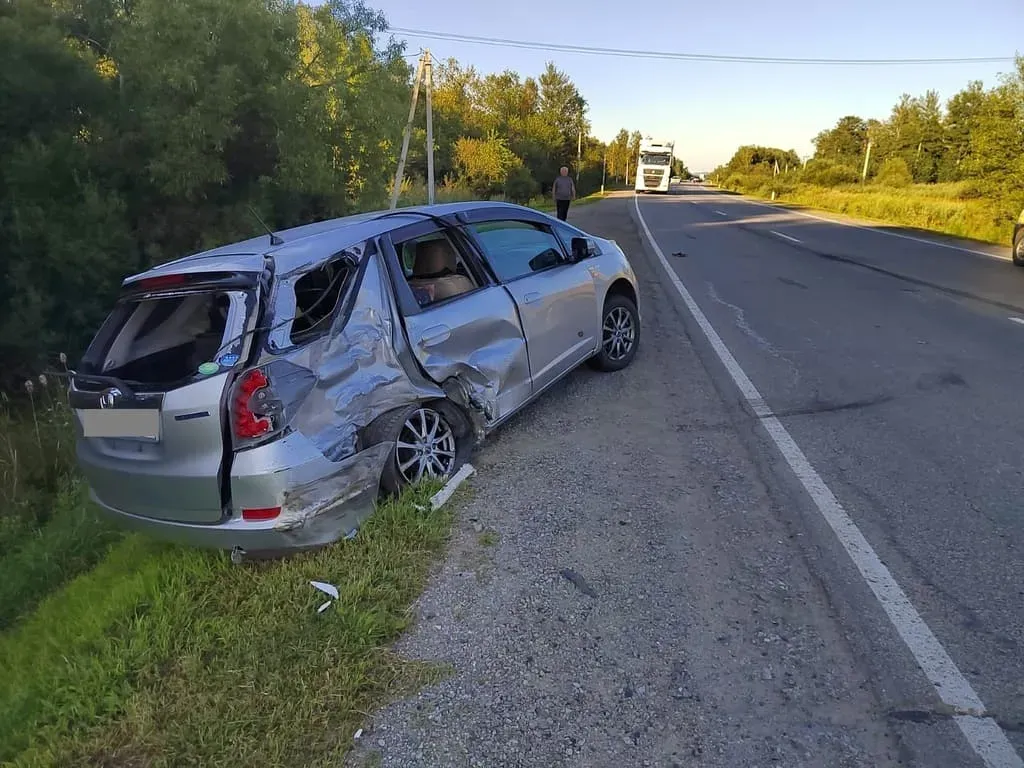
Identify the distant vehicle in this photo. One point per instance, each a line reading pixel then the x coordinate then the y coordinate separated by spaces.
pixel 653 166
pixel 256 397
pixel 1018 241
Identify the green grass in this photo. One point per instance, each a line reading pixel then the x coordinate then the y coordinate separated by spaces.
pixel 117 650
pixel 949 209
pixel 168 656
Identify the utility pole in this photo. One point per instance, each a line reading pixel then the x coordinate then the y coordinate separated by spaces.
pixel 396 191
pixel 429 76
pixel 604 167
pixel 579 155
pixel 867 157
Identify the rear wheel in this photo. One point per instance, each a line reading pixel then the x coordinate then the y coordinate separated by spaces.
pixel 429 443
pixel 1018 248
pixel 620 334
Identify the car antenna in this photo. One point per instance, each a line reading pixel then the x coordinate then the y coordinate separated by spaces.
pixel 274 239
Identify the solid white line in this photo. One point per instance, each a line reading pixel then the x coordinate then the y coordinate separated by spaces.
pixel 441 497
pixel 878 231
pixel 981 731
pixel 782 235
pixel 1017 320
pixel 721 213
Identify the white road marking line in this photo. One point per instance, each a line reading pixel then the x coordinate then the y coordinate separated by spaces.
pixel 787 237
pixel 1017 320
pixel 879 231
pixel 721 213
pixel 441 497
pixel 982 732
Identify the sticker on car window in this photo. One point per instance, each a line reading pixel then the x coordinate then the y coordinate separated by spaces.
pixel 208 369
pixel 228 361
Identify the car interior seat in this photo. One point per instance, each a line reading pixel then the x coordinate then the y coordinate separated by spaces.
pixel 435 271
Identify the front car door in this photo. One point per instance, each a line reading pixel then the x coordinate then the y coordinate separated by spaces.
pixel 459 322
pixel 556 297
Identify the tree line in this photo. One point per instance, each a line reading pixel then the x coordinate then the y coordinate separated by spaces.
pixel 137 131
pixel 974 139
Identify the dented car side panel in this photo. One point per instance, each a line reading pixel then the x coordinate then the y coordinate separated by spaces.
pixel 477 340
pixel 339 384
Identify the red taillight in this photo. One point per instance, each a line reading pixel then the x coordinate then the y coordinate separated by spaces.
pixel 247 422
pixel 263 513
pixel 163 281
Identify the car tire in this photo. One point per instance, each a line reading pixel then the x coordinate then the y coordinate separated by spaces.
pixel 412 426
pixel 620 334
pixel 1018 248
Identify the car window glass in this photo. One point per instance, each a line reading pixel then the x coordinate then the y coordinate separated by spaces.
pixel 435 269
pixel 317 294
pixel 566 234
pixel 517 248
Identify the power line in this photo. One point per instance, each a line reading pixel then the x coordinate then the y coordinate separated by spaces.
pixel 680 56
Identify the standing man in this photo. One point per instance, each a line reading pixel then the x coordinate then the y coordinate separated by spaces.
pixel 564 191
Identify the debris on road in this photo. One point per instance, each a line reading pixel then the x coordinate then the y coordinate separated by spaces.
pixel 327 589
pixel 578 581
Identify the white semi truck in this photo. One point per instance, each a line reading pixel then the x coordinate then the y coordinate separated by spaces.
pixel 654 166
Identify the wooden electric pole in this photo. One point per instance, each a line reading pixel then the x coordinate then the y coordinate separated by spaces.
pixel 867 158
pixel 429 76
pixel 579 154
pixel 424 74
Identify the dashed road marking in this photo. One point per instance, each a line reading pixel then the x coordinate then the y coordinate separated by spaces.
pixel 982 732
pixel 1017 320
pixel 721 213
pixel 787 237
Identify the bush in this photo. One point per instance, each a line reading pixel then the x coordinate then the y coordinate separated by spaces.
pixel 520 186
pixel 894 173
pixel 825 173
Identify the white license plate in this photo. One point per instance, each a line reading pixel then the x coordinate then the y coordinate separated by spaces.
pixel 138 423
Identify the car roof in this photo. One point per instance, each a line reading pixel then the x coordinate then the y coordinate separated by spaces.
pixel 311 243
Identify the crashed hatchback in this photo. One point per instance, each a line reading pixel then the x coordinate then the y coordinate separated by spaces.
pixel 257 397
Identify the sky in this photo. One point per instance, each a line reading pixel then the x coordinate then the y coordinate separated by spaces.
pixel 708 108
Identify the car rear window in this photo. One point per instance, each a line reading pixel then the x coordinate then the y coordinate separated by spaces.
pixel 161 341
pixel 317 295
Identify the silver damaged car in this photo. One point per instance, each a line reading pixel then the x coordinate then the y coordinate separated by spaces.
pixel 259 396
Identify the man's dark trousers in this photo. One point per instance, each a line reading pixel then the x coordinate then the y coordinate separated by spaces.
pixel 562 209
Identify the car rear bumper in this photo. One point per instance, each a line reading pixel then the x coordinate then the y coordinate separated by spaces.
pixel 317 507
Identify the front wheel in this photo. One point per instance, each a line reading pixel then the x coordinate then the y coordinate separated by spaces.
pixel 620 334
pixel 428 444
pixel 1018 248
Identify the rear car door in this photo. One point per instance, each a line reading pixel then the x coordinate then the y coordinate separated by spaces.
pixel 556 297
pixel 149 396
pixel 458 321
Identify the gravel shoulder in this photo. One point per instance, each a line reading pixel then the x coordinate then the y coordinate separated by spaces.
pixel 622 590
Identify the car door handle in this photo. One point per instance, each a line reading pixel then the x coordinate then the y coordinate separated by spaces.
pixel 531 297
pixel 435 335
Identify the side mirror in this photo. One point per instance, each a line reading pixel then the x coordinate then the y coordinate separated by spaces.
pixel 581 248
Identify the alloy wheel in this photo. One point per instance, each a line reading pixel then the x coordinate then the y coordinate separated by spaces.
pixel 425 447
pixel 619 333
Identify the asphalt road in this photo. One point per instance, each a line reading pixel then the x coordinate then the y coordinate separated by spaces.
pixel 896 366
pixel 639 579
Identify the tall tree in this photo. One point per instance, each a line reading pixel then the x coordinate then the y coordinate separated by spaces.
pixel 844 143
